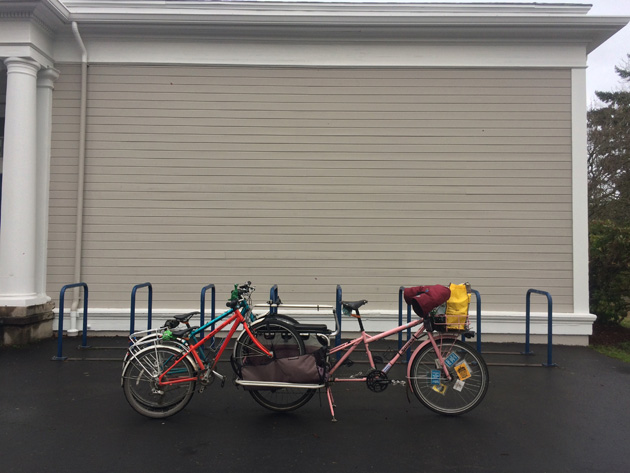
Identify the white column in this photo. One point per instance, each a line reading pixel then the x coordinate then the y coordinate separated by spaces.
pixel 18 248
pixel 45 86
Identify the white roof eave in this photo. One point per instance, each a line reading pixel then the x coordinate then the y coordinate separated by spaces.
pixel 469 22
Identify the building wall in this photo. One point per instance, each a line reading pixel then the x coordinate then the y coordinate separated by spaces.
pixel 308 177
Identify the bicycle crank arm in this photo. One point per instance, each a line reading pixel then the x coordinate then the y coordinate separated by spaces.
pixel 207 377
pixel 220 376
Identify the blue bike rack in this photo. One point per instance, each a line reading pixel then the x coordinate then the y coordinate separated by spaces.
pixel 478 331
pixel 62 294
pixel 400 320
pixel 274 298
pixel 203 305
pixel 549 324
pixel 338 313
pixel 133 305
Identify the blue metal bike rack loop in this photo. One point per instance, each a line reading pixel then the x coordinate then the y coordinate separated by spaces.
pixel 400 320
pixel 203 305
pixel 549 324
pixel 274 298
pixel 338 299
pixel 478 331
pixel 133 305
pixel 62 294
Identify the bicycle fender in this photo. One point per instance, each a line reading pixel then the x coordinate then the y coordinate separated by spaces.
pixel 144 350
pixel 410 363
pixel 283 319
pixel 150 341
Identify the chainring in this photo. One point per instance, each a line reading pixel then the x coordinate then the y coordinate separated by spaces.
pixel 377 381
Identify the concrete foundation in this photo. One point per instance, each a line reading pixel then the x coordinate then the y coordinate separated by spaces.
pixel 23 325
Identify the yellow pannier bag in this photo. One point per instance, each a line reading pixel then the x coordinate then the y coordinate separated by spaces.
pixel 457 307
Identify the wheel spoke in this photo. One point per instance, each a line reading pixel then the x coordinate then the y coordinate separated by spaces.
pixel 462 392
pixel 278 337
pixel 140 382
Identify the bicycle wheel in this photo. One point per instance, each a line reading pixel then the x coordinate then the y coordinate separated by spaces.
pixel 278 337
pixel 469 377
pixel 139 382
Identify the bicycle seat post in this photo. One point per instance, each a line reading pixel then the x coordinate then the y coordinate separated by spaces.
pixel 354 307
pixel 358 317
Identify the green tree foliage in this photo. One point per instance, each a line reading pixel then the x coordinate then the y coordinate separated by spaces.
pixel 609 273
pixel 609 202
pixel 609 154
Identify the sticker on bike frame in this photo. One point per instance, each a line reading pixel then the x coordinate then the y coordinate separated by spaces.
pixel 459 385
pixel 451 359
pixel 440 389
pixel 435 377
pixel 463 371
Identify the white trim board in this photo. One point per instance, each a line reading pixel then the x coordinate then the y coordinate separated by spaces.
pixel 167 51
pixel 568 328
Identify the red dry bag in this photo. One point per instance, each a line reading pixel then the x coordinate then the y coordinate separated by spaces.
pixel 424 299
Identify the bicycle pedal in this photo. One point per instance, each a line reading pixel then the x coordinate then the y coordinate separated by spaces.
pixel 220 376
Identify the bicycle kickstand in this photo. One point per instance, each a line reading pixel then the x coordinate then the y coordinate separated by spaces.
pixel 331 403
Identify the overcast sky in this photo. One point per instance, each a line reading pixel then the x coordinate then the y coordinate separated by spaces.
pixel 600 74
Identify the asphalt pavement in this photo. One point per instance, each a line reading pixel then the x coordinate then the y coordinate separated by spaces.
pixel 71 416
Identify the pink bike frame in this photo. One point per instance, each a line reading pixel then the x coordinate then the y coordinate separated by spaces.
pixel 366 339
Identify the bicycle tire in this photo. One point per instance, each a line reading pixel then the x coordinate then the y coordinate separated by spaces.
pixel 279 337
pixel 139 384
pixel 449 397
pixel 283 318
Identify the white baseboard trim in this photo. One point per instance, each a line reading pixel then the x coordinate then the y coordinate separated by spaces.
pixel 567 328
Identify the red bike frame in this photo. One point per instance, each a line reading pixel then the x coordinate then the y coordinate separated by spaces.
pixel 237 319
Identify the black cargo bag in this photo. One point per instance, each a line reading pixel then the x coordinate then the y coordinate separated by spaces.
pixel 302 369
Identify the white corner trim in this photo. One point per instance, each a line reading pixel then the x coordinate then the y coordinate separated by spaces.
pixel 580 191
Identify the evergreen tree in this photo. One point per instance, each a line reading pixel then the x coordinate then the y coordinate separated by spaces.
pixel 609 202
pixel 609 154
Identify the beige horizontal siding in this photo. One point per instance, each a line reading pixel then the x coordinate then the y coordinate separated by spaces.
pixel 63 179
pixel 309 178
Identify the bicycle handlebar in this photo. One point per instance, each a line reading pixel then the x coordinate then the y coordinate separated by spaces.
pixel 238 294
